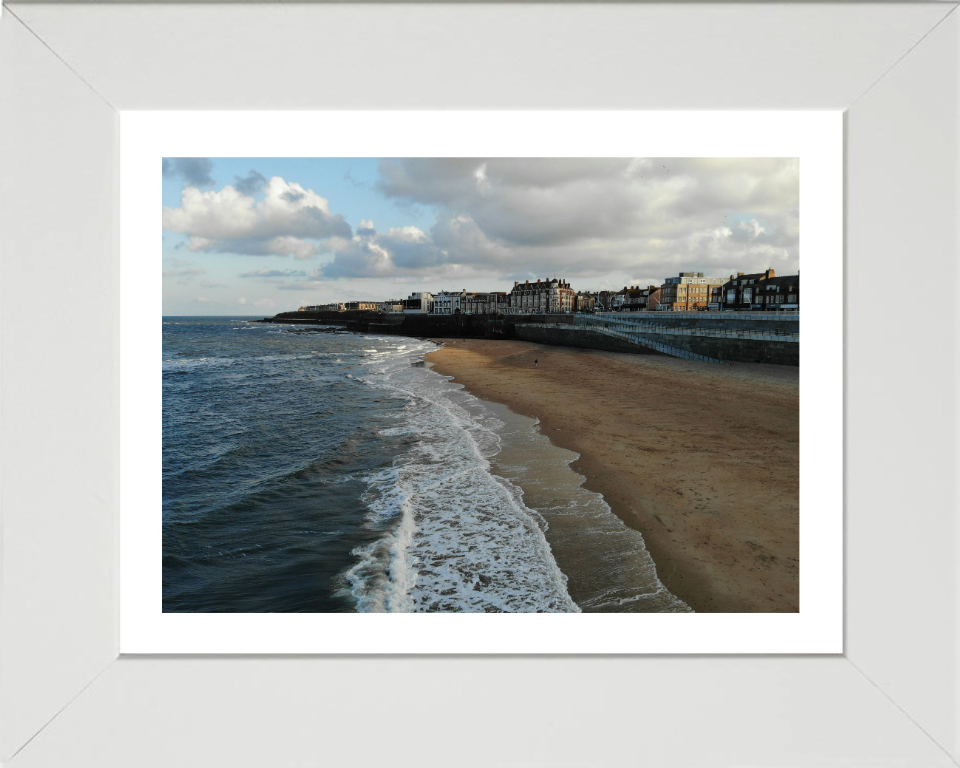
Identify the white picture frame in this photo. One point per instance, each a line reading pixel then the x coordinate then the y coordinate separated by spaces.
pixel 66 697
pixel 814 138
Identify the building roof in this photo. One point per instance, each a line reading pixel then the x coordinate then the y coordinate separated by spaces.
pixel 783 280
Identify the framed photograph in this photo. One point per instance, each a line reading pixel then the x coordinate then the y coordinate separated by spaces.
pixel 98 672
pixel 438 512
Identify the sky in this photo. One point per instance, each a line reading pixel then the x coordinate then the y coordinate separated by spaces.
pixel 257 236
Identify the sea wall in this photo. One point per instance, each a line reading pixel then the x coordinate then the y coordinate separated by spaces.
pixel 731 349
pixel 710 334
pixel 734 349
pixel 579 337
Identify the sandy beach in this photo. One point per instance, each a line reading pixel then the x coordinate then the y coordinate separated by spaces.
pixel 702 459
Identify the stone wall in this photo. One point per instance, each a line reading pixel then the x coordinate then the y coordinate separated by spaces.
pixel 779 352
pixel 730 349
pixel 575 337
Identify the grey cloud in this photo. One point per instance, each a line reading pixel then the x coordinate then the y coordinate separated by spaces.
pixel 193 170
pixel 275 273
pixel 318 224
pixel 590 216
pixel 292 197
pixel 412 254
pixel 358 258
pixel 183 271
pixel 303 285
pixel 250 184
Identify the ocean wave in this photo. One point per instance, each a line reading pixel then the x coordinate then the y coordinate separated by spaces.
pixel 188 364
pixel 454 536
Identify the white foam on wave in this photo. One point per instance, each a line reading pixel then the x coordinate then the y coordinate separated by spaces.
pixel 185 364
pixel 455 537
pixel 608 563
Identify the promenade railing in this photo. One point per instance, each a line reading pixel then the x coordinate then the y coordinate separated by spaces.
pixel 635 338
pixel 645 325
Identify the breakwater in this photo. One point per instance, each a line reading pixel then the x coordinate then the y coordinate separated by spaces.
pixel 754 337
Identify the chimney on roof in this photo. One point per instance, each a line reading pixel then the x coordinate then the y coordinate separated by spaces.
pixel 516 283
pixel 768 274
pixel 739 274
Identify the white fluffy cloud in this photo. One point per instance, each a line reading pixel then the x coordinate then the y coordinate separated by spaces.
pixel 594 217
pixel 288 221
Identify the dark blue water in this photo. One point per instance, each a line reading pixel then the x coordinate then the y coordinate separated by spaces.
pixel 267 439
pixel 323 471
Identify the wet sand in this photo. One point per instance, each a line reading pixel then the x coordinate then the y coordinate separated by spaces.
pixel 702 459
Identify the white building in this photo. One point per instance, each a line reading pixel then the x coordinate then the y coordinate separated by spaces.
pixel 449 303
pixel 419 303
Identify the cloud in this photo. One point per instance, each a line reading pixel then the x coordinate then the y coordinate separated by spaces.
pixel 752 228
pixel 183 271
pixel 275 273
pixel 252 183
pixel 205 300
pixel 193 170
pixel 266 303
pixel 242 300
pixel 598 222
pixel 588 217
pixel 303 285
pixel 187 272
pixel 287 222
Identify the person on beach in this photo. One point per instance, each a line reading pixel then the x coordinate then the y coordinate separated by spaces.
pixel 536 363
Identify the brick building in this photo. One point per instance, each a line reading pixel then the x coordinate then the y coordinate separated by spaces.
pixel 778 294
pixel 690 291
pixel 584 301
pixel 486 303
pixel 741 291
pixel 633 298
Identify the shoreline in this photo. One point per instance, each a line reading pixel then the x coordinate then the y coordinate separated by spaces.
pixel 702 460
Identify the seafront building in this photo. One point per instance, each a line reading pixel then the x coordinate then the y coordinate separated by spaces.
pixel 632 299
pixel 419 303
pixel 448 302
pixel 542 297
pixel 689 291
pixel 779 293
pixel 486 303
pixel 762 290
pixel 337 306
pixel 585 301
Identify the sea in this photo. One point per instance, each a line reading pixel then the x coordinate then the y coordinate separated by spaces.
pixel 311 469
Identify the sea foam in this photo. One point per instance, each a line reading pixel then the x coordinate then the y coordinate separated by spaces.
pixel 455 537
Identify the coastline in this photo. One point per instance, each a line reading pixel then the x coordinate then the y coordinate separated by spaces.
pixel 701 459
